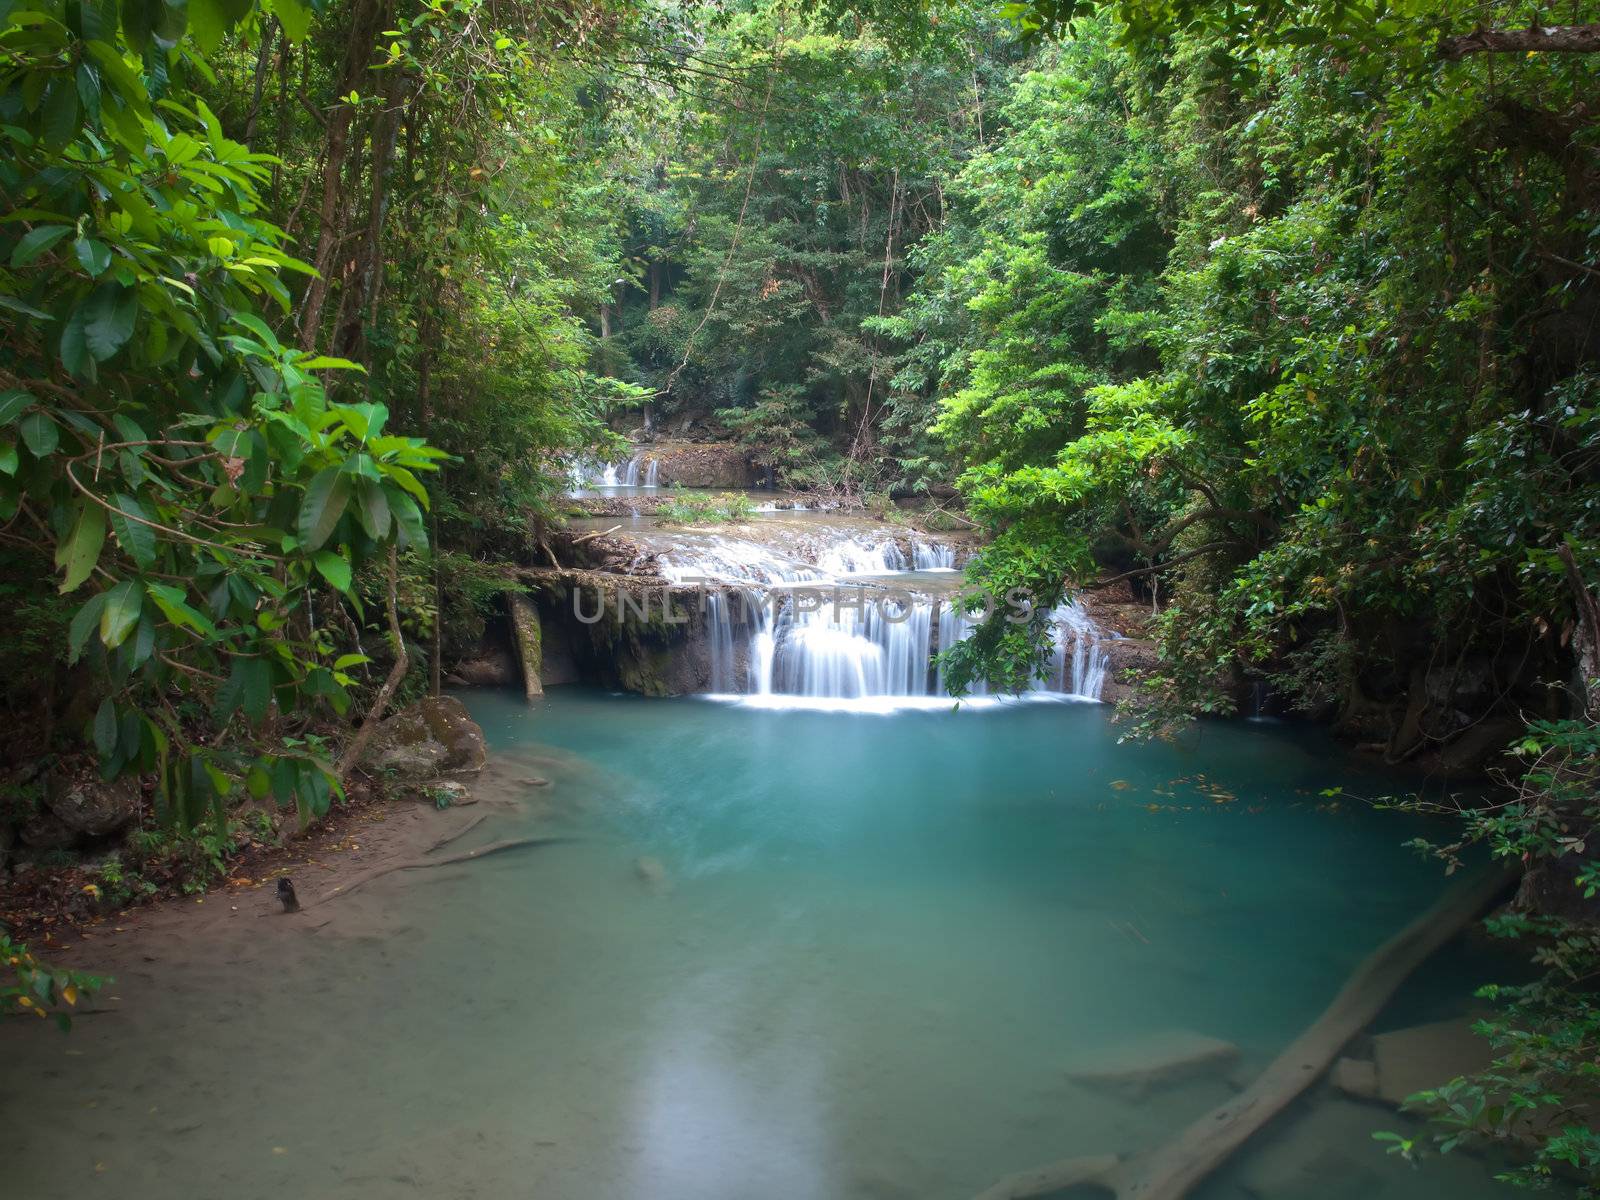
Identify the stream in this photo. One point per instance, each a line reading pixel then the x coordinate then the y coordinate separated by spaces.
pixel 793 955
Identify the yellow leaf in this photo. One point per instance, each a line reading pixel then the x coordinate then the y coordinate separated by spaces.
pixel 70 993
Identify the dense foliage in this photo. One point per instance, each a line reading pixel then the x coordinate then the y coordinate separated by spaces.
pixel 1287 315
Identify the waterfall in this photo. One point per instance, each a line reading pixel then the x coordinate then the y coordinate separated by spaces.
pixel 933 556
pixel 787 628
pixel 586 474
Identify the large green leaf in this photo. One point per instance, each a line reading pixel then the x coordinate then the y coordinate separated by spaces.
pixel 75 356
pixel 108 319
pixel 41 434
pixel 105 728
pixel 79 553
pixel 12 403
pixel 83 623
pixel 137 540
pixel 172 602
pixel 294 16
pixel 334 568
pixel 122 606
pixel 59 118
pixel 249 686
pixel 325 500
pixel 372 509
pixel 36 241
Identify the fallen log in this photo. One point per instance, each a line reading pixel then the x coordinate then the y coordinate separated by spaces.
pixel 425 861
pixel 1170 1171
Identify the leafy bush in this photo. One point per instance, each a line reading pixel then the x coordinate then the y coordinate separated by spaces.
pixel 706 510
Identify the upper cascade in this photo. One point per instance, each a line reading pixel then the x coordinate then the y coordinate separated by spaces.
pixel 638 471
pixel 855 625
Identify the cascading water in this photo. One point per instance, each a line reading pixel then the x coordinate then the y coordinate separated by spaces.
pixel 587 474
pixel 787 628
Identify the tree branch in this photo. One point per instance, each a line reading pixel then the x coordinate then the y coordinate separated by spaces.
pixel 1549 39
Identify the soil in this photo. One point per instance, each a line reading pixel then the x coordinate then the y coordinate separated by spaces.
pixel 54 911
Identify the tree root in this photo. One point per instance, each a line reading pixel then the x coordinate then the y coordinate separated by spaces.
pixel 425 861
pixel 1169 1172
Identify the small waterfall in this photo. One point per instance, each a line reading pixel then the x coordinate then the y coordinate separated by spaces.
pixel 933 556
pixel 587 474
pixel 836 641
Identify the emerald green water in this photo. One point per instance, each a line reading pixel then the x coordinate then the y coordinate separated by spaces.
pixel 787 956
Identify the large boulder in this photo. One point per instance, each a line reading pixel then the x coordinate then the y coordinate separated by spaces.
pixel 432 737
pixel 94 808
pixel 46 831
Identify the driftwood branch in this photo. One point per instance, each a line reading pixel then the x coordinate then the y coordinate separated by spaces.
pixel 1541 39
pixel 422 862
pixel 596 534
pixel 1168 1173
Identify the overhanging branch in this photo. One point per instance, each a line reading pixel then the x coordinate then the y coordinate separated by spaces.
pixel 1542 39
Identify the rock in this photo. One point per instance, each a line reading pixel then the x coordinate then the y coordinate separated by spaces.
pixel 432 737
pixel 8 838
pixel 530 645
pixel 1152 1061
pixel 652 871
pixel 1324 1150
pixel 450 793
pixel 46 831
pixel 1357 1077
pixel 533 781
pixel 1412 1060
pixel 488 671
pixel 94 808
pixel 703 464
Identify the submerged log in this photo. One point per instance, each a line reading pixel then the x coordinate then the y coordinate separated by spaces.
pixel 1170 1171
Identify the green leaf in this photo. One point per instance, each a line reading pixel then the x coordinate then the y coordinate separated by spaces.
pixel 138 541
pixel 257 782
pixel 75 356
pixel 109 319
pixel 105 728
pixel 292 15
pixel 41 434
pixel 345 661
pixel 123 604
pixel 8 458
pixel 372 509
pixel 12 403
pixel 36 241
pixel 413 532
pixel 139 22
pixel 82 623
pixel 172 602
pixel 79 553
pixel 94 256
pixel 59 118
pixel 333 568
pixel 325 500
pixel 249 687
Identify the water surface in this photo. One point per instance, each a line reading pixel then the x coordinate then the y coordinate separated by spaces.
pixel 791 955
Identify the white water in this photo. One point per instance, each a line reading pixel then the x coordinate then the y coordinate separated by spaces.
pixel 638 471
pixel 853 626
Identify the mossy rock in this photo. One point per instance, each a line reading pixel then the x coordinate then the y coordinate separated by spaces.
pixel 432 737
